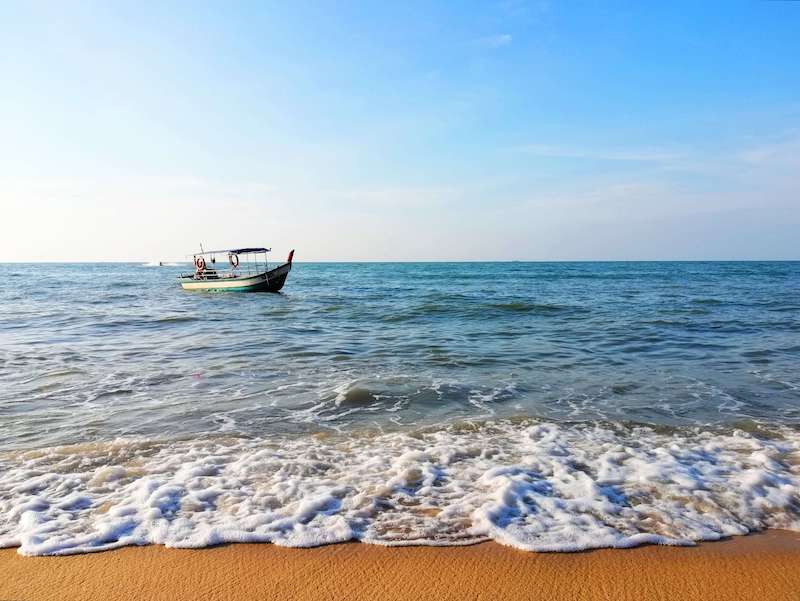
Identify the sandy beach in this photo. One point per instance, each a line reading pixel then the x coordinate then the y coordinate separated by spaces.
pixel 761 566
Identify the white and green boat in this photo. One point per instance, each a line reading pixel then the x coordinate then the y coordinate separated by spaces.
pixel 251 275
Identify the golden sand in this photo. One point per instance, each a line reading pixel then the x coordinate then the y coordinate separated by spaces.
pixel 761 567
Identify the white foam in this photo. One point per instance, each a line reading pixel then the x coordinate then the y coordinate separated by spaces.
pixel 533 486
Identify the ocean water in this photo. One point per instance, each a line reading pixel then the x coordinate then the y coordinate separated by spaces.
pixel 547 406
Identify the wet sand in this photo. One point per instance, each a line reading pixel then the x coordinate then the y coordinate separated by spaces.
pixel 761 566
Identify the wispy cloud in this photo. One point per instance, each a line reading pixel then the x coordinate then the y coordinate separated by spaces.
pixel 782 152
pixel 774 159
pixel 496 41
pixel 626 154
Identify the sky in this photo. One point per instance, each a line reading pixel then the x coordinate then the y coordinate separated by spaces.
pixel 504 130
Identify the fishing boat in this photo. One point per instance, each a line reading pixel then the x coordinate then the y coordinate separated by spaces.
pixel 249 275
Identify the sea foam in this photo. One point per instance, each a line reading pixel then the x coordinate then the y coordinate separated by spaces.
pixel 531 485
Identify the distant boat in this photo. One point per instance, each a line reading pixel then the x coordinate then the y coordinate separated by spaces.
pixel 251 275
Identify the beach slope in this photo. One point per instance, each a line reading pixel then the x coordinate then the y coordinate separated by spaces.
pixel 761 566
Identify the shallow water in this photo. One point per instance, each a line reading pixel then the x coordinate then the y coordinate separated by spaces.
pixel 397 403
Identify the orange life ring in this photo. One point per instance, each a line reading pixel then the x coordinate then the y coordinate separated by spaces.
pixel 200 263
pixel 234 259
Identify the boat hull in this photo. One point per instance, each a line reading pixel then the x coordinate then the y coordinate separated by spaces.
pixel 268 281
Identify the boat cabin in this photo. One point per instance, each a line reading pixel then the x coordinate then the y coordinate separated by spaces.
pixel 242 269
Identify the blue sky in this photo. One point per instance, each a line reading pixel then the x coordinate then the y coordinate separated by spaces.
pixel 505 130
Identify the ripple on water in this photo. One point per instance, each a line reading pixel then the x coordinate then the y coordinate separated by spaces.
pixel 613 339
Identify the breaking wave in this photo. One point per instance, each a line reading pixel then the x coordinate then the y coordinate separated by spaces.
pixel 537 486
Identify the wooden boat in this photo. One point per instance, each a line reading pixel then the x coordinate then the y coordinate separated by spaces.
pixel 251 275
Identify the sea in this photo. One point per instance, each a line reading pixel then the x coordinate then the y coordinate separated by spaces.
pixel 545 406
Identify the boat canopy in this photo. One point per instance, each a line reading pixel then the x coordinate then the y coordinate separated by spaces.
pixel 234 251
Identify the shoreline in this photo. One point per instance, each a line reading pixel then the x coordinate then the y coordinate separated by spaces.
pixel 762 566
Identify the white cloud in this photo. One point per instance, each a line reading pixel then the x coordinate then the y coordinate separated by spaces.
pixel 496 41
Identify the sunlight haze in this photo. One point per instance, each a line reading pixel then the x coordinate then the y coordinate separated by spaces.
pixel 507 130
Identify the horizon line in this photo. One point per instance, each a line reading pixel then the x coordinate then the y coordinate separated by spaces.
pixel 145 261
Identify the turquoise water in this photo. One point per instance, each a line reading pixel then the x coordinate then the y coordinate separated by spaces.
pixel 360 362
